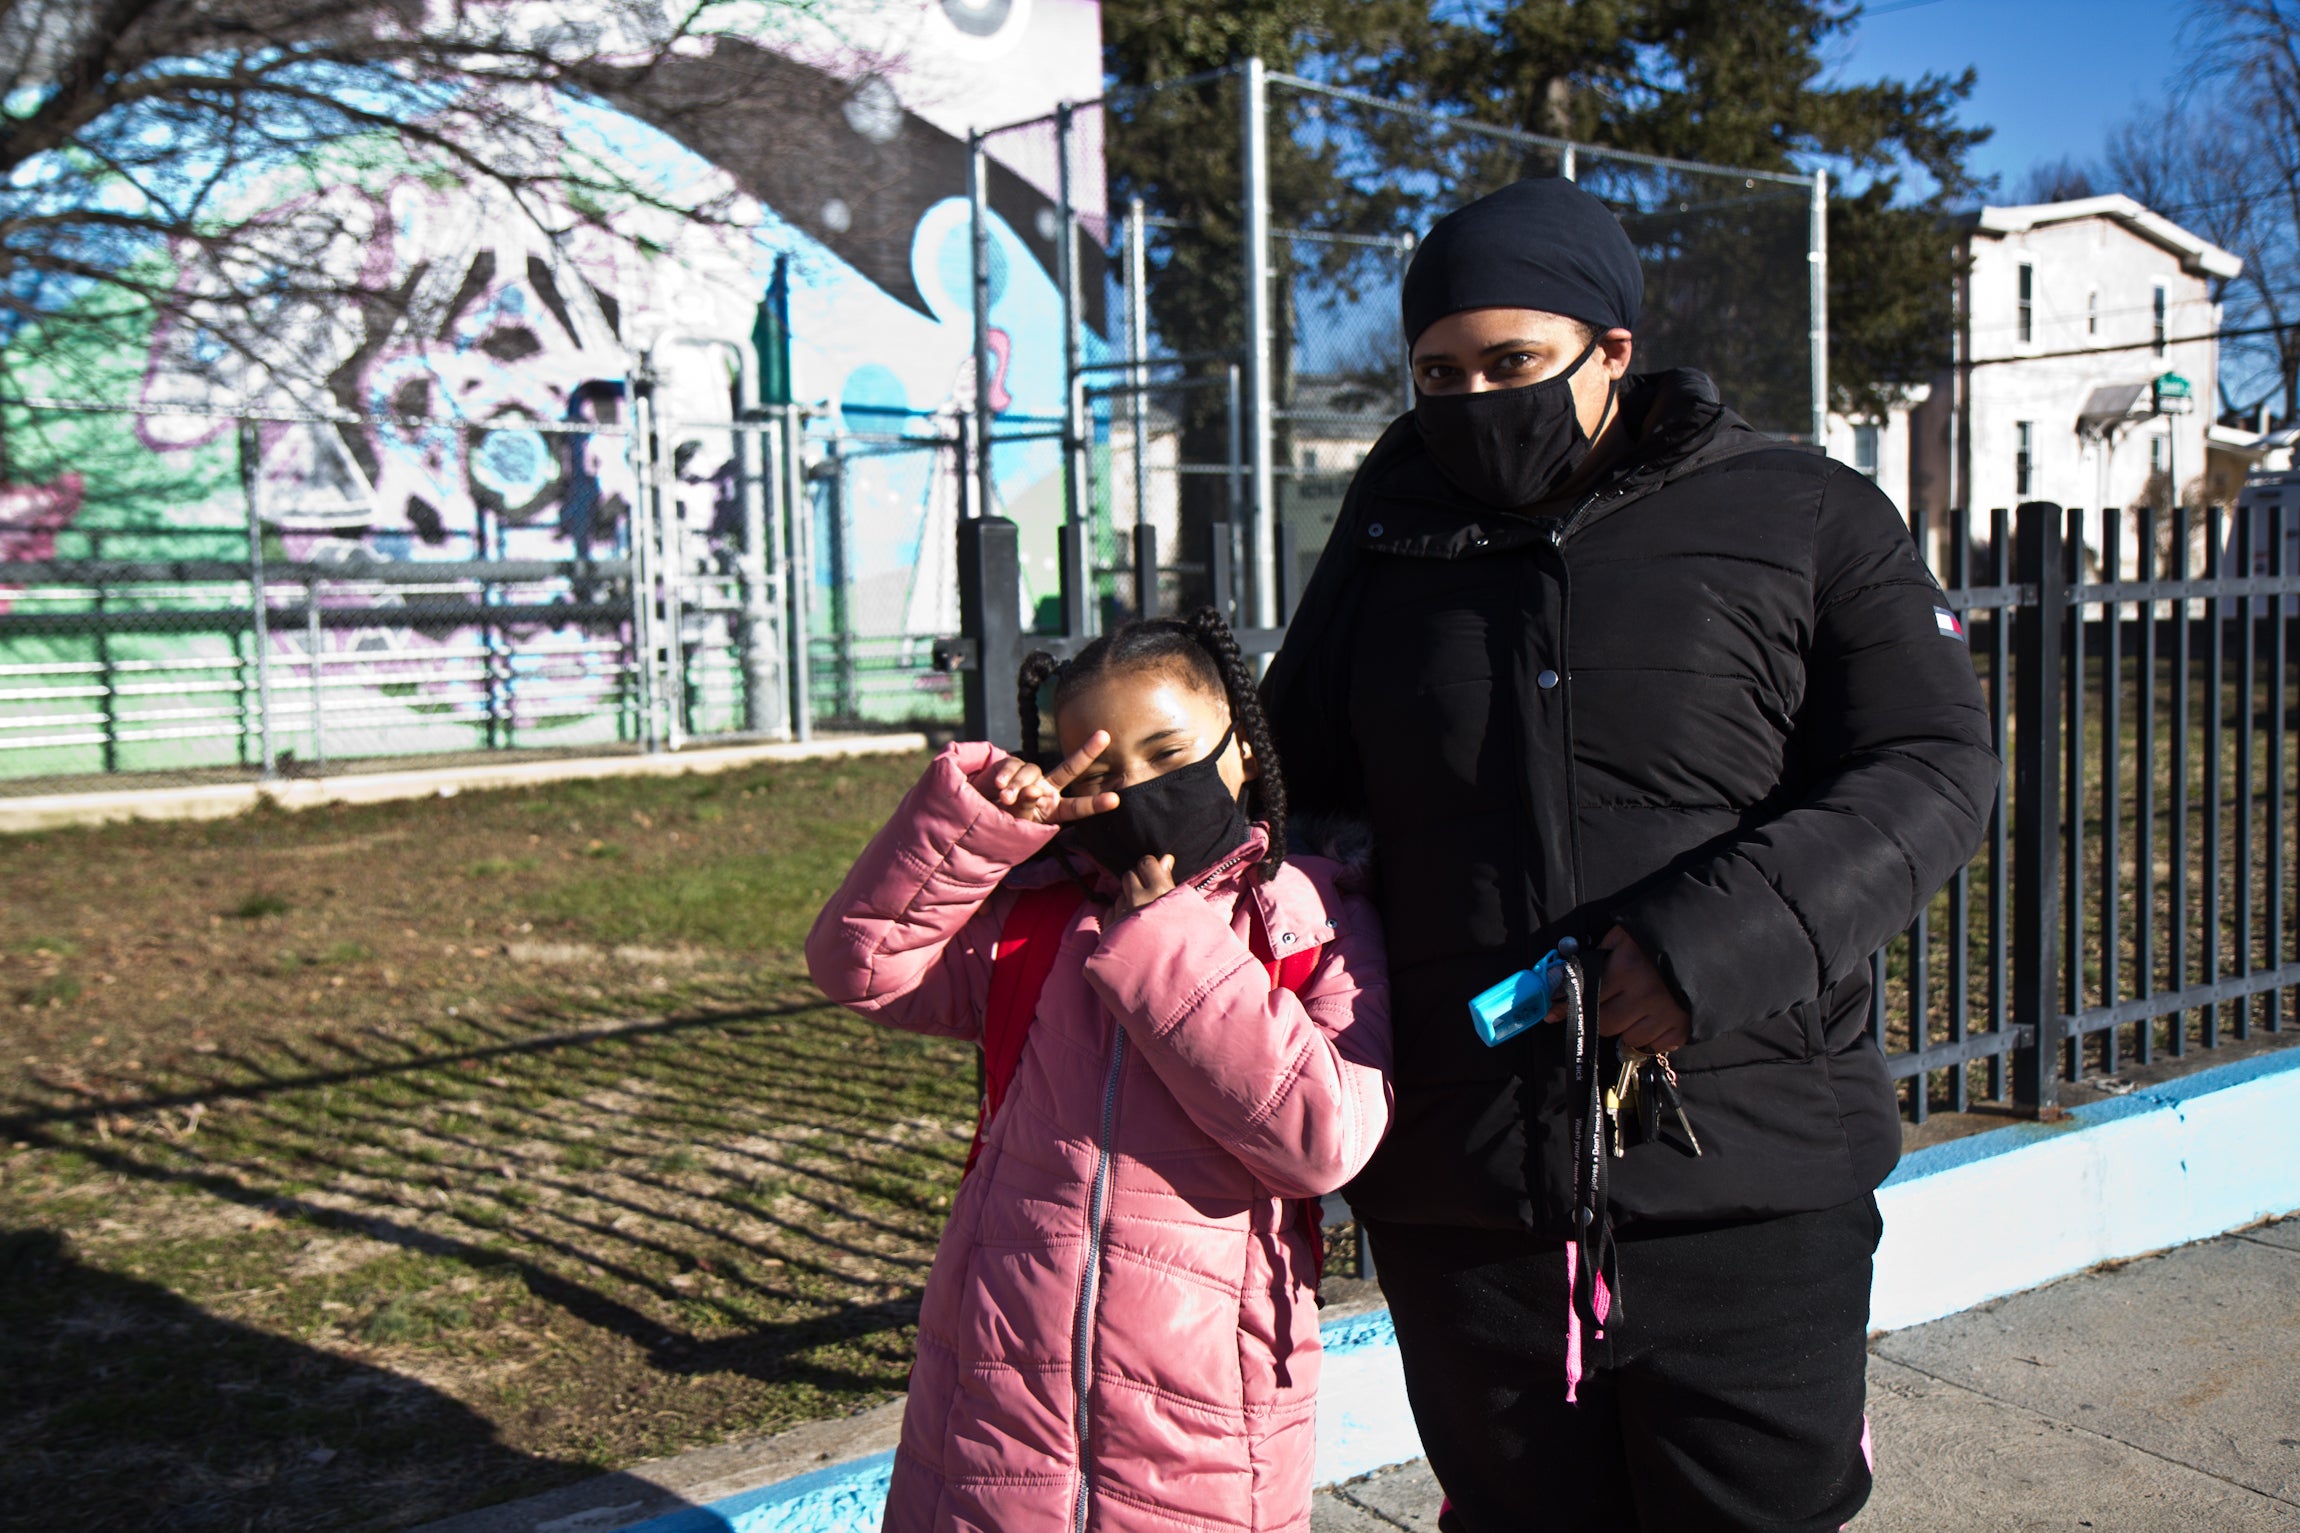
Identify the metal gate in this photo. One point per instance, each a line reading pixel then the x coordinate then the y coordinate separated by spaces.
pixel 719 563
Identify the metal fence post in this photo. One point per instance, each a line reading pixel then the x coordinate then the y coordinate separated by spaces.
pixel 312 641
pixel 1218 555
pixel 1138 348
pixel 763 703
pixel 990 613
pixel 798 572
pixel 1077 490
pixel 1407 243
pixel 1146 600
pixel 644 622
pixel 262 624
pixel 1262 548
pixel 1817 256
pixel 107 676
pixel 1075 554
pixel 1233 482
pixel 763 707
pixel 978 256
pixel 2038 706
pixel 674 693
pixel 832 474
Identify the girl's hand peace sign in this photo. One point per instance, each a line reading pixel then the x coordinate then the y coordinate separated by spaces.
pixel 1022 790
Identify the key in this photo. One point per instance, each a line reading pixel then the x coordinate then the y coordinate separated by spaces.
pixel 1648 1102
pixel 1621 1098
pixel 1665 1089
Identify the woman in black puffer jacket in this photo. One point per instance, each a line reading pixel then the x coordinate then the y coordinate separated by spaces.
pixel 1596 659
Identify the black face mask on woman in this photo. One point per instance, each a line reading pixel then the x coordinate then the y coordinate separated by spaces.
pixel 1189 814
pixel 1507 448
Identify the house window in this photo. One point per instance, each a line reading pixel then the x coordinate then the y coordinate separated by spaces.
pixel 2158 311
pixel 2092 312
pixel 2027 303
pixel 2024 441
pixel 1865 448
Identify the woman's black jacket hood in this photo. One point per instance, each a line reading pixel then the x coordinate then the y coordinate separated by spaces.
pixel 1707 699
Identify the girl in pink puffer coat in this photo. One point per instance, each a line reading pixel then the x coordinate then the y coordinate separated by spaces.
pixel 1120 1330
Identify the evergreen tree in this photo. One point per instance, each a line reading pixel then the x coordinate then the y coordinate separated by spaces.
pixel 1737 84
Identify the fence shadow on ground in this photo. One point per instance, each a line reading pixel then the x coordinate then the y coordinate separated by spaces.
pixel 570 1234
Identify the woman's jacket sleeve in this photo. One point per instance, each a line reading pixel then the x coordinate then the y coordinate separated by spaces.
pixel 1896 780
pixel 1295 1084
pixel 908 938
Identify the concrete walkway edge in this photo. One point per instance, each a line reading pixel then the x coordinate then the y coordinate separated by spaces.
pixel 216 801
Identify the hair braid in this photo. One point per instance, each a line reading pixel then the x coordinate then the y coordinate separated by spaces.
pixel 1266 794
pixel 1037 666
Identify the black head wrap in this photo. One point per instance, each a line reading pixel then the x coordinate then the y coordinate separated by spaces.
pixel 1543 244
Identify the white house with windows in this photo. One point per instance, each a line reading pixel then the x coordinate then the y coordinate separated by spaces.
pixel 2069 317
pixel 1879 445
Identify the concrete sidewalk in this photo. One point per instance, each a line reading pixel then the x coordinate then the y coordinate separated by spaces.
pixel 2160 1395
pixel 371 783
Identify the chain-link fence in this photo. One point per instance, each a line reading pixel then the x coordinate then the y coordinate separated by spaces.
pixel 883 503
pixel 1242 351
pixel 1166 406
pixel 1051 313
pixel 1732 256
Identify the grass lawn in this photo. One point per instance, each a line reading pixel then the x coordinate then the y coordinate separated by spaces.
pixel 369 1164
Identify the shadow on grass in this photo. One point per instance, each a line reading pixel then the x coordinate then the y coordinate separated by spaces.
pixel 643 1234
pixel 128 1408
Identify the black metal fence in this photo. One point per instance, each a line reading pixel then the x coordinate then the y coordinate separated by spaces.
pixel 2131 899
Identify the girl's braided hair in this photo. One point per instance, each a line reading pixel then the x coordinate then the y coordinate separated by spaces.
pixel 1200 645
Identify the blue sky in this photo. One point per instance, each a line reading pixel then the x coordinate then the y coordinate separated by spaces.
pixel 2055 75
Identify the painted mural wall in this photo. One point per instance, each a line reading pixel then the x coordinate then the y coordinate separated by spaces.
pixel 848 235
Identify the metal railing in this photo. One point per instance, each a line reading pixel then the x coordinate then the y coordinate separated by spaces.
pixel 259 664
pixel 2132 899
pixel 200 627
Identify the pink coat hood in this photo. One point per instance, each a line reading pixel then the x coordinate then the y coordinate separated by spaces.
pixel 1125 1266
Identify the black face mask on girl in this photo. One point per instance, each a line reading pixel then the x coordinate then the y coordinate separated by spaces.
pixel 1507 448
pixel 1189 814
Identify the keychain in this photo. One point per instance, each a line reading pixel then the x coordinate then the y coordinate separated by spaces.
pixel 1647 1086
pixel 1621 1097
pixel 1666 1094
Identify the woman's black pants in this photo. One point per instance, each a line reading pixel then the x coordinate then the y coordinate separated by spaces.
pixel 1725 1395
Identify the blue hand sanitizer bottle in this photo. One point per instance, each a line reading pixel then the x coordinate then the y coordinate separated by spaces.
pixel 1520 1002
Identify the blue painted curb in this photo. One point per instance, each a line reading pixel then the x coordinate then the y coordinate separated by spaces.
pixel 843 1498
pixel 1936 1158
pixel 2018 1207
pixel 850 1497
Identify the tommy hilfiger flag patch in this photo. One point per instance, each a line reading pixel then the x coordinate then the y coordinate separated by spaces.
pixel 1950 628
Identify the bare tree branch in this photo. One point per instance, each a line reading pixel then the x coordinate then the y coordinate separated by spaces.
pixel 196 161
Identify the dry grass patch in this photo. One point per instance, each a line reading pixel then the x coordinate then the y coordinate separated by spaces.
pixel 326 1207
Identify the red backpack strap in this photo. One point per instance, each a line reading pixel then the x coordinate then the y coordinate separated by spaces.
pixel 1019 966
pixel 1291 972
